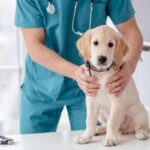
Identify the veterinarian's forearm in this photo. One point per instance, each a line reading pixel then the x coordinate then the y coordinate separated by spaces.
pixel 35 43
pixel 135 41
pixel 132 34
pixel 52 61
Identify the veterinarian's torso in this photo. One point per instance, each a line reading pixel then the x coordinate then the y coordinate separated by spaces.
pixel 44 84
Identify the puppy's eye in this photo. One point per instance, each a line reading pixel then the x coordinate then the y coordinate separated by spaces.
pixel 96 43
pixel 110 44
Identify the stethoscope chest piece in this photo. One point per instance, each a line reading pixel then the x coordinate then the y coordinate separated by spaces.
pixel 51 8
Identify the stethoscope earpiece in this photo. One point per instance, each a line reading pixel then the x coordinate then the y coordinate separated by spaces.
pixel 50 8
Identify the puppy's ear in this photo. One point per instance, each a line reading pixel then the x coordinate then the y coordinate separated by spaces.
pixel 121 50
pixel 83 45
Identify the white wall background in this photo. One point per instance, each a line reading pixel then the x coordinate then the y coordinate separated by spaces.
pixel 142 8
pixel 142 73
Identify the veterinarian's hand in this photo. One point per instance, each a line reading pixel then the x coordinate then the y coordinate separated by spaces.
pixel 118 81
pixel 88 84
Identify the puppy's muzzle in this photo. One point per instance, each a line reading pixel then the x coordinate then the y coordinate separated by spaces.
pixel 102 60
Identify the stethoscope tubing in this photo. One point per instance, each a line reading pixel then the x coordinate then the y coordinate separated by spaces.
pixel 51 10
pixel 74 15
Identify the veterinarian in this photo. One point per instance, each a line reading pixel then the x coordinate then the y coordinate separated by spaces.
pixel 54 70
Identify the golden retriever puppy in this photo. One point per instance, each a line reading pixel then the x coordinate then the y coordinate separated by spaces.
pixel 103 47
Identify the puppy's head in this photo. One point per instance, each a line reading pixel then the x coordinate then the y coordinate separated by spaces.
pixel 103 46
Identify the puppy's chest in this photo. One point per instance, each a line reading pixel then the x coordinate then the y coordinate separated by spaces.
pixel 103 77
pixel 102 96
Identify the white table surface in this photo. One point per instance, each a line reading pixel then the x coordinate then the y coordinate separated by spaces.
pixel 65 141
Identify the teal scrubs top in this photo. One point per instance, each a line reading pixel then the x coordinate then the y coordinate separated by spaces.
pixel 41 83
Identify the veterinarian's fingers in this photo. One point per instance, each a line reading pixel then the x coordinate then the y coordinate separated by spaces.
pixel 93 92
pixel 113 80
pixel 82 76
pixel 88 88
pixel 115 77
pixel 118 89
pixel 115 67
pixel 85 77
pixel 89 79
pixel 118 92
pixel 85 67
pixel 89 92
pixel 88 85
pixel 116 83
pixel 120 73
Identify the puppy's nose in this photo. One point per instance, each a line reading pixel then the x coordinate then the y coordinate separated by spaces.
pixel 102 59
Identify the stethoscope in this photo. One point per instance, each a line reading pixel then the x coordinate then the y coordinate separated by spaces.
pixel 51 10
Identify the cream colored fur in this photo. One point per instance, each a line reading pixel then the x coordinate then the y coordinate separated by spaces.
pixel 124 113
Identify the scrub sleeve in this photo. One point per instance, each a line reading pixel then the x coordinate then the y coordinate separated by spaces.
pixel 120 11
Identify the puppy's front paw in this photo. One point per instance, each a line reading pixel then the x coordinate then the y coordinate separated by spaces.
pixel 110 141
pixel 141 134
pixel 83 139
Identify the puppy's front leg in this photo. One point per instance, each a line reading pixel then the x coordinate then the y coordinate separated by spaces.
pixel 114 121
pixel 92 116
